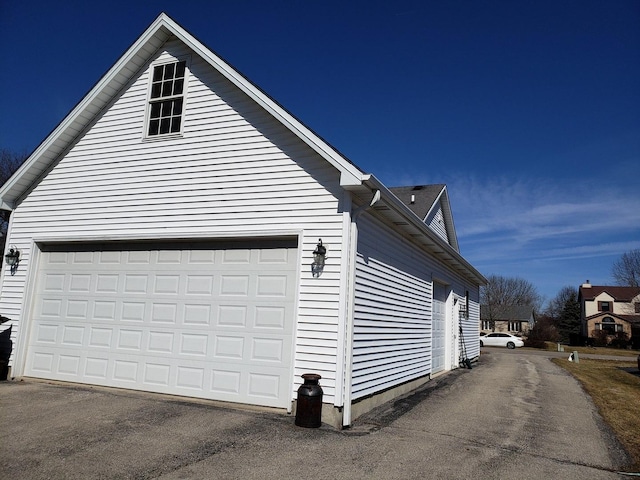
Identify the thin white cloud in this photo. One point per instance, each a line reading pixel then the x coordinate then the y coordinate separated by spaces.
pixel 530 212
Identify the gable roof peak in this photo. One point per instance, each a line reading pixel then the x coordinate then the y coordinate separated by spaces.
pixel 117 77
pixel 423 200
pixel 138 57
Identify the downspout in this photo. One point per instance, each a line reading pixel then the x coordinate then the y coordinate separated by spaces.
pixel 353 252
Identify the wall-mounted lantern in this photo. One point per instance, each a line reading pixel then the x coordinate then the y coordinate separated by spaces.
pixel 13 259
pixel 463 308
pixel 319 256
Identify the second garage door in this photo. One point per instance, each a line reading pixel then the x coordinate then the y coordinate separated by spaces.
pixel 205 320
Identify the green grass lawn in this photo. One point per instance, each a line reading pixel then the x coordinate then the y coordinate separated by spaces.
pixel 616 393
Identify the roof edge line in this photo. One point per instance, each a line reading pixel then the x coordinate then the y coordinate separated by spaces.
pixel 280 113
pixel 82 105
pixel 400 207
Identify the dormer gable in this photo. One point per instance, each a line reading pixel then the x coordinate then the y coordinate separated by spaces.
pixel 431 204
pixel 604 297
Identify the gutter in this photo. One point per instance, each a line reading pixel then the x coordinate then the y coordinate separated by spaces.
pixel 452 256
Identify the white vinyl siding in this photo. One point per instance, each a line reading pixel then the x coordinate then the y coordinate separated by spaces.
pixel 392 320
pixel 393 310
pixel 436 222
pixel 470 325
pixel 236 171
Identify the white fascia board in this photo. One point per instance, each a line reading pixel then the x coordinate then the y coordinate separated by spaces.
pixel 350 174
pixel 443 199
pixel 436 201
pixel 36 164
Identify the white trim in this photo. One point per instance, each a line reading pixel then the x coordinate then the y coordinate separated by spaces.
pixel 306 135
pixel 354 213
pixel 25 323
pixel 344 303
pixel 351 282
pixel 169 236
pixel 161 28
pixel 452 259
pixel 294 335
pixel 183 95
pixel 436 202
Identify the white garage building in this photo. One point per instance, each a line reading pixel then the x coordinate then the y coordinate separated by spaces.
pixel 166 231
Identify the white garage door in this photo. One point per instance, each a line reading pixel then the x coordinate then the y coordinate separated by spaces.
pixel 204 320
pixel 439 327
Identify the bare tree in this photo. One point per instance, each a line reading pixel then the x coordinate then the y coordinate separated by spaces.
pixel 557 303
pixel 501 293
pixel 9 163
pixel 626 270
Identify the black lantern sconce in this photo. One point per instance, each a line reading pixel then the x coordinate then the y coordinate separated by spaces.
pixel 466 304
pixel 319 256
pixel 13 259
pixel 464 308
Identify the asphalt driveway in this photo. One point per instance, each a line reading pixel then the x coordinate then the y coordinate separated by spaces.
pixel 514 415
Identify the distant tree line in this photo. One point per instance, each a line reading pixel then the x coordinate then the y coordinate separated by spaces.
pixel 9 163
pixel 626 270
pixel 501 293
pixel 560 320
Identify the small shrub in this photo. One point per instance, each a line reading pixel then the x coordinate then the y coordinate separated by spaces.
pixel 543 331
pixel 599 338
pixel 621 340
pixel 535 343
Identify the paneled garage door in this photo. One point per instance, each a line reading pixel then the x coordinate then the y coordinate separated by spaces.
pixel 204 320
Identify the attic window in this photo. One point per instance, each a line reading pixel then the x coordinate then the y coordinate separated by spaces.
pixel 166 99
pixel 604 306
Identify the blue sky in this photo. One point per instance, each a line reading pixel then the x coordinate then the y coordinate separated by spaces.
pixel 528 111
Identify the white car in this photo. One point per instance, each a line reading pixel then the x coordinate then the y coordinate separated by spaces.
pixel 501 340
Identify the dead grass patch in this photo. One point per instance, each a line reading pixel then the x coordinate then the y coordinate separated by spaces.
pixel 616 394
pixel 615 352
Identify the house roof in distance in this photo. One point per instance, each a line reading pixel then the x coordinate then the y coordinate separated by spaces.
pixel 620 294
pixel 507 312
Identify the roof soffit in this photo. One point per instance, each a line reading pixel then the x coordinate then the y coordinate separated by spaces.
pixel 85 112
pixel 398 215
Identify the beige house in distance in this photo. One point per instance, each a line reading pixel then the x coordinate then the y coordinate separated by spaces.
pixel 609 308
pixel 516 319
